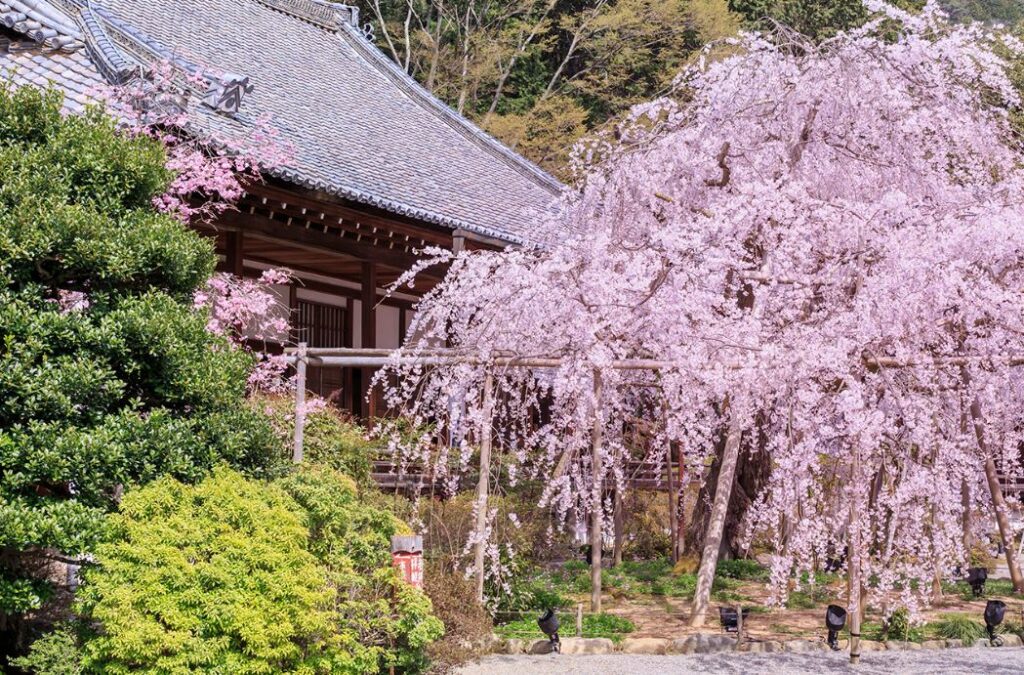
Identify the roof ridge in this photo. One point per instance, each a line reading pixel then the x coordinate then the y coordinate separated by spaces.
pixel 322 13
pixel 455 120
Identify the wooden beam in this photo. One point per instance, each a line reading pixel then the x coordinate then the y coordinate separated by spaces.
pixel 255 224
pixel 430 234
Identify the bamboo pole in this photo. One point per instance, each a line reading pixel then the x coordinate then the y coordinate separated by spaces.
pixel 853 578
pixel 596 440
pixel 300 403
pixel 716 525
pixel 673 525
pixel 482 485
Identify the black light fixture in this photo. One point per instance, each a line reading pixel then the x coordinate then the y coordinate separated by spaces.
pixel 835 619
pixel 994 611
pixel 549 626
pixel 730 618
pixel 976 577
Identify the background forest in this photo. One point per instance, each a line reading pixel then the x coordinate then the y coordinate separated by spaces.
pixel 541 74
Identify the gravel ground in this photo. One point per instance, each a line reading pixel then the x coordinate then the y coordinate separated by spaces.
pixel 944 661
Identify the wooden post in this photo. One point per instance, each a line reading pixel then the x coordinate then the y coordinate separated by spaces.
pixel 483 484
pixel 853 580
pixel 998 501
pixel 234 257
pixel 300 401
pixel 368 300
pixel 739 626
pixel 716 525
pixel 673 524
pixel 579 619
pixel 596 440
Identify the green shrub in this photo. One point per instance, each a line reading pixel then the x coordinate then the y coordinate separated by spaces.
pixel 380 620
pixel 329 437
pixel 958 627
pixel 207 578
pixel 56 653
pixel 746 570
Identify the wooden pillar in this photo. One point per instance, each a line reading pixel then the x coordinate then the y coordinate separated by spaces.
pixel 677 545
pixel 369 331
pixel 596 496
pixel 482 485
pixel 234 255
pixel 350 402
pixel 403 325
pixel 300 402
pixel 716 524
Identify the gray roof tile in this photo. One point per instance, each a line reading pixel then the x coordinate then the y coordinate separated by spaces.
pixel 360 127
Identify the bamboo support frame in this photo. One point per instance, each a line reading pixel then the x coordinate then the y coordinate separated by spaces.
pixel 376 358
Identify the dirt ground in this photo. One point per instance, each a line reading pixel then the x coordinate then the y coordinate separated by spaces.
pixel 662 616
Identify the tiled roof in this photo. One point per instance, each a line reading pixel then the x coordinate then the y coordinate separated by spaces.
pixel 360 127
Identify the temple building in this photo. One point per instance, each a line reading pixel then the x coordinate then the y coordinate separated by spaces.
pixel 378 168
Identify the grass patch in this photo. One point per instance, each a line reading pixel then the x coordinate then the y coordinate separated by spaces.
pixel 743 570
pixel 993 587
pixel 594 626
pixel 957 627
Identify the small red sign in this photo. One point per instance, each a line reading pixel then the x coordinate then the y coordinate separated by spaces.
pixel 410 565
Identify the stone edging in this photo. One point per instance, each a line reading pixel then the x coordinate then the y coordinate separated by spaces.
pixel 704 643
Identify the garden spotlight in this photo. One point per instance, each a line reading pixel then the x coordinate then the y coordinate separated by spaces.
pixel 549 626
pixel 994 611
pixel 835 619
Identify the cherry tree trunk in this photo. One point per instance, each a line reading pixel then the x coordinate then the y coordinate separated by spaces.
pixel 998 501
pixel 716 525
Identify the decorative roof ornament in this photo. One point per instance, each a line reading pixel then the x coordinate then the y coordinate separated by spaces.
pixel 367 31
pixel 226 92
pixel 47 25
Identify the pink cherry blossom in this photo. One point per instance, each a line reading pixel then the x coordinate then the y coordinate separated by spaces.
pixel 788 216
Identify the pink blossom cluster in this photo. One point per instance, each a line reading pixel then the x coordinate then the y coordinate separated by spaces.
pixel 789 218
pixel 209 169
pixel 251 316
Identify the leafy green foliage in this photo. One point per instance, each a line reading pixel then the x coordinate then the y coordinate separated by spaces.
pixel 109 375
pixel 379 620
pixel 56 653
pixel 594 625
pixel 210 577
